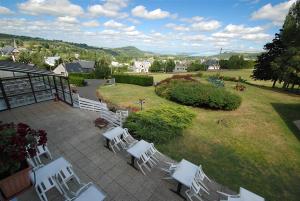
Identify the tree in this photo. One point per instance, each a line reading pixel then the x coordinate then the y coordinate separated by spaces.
pixel 24 57
pixel 156 66
pixel 196 66
pixel 263 70
pixel 102 69
pixel 169 65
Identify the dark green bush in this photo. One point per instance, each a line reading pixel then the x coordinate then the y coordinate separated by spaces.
pixel 161 124
pixel 198 95
pixel 142 80
pixel 78 81
pixel 83 75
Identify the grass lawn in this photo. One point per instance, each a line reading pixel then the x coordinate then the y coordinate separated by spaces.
pixel 256 147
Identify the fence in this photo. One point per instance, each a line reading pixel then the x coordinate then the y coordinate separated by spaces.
pixel 115 119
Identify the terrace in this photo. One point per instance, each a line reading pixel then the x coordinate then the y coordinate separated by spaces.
pixel 72 134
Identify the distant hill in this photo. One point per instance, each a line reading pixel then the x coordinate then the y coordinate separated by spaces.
pixel 227 55
pixel 63 47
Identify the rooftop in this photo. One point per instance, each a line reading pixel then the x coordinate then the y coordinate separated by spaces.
pixel 72 134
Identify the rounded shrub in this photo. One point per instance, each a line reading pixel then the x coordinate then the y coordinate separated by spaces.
pixel 198 95
pixel 161 124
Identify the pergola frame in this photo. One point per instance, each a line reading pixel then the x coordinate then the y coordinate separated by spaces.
pixel 53 83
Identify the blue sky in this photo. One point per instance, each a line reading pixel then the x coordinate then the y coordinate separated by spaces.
pixel 164 26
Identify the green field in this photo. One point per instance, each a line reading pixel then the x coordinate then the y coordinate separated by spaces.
pixel 256 146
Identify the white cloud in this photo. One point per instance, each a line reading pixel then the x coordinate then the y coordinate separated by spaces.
pixel 193 19
pixel 198 37
pixel 141 11
pixel 274 13
pixel 232 31
pixel 206 25
pixel 50 7
pixel 92 23
pixel 177 27
pixel 67 19
pixel 110 8
pixel 231 28
pixel 113 24
pixel 5 11
pixel 256 37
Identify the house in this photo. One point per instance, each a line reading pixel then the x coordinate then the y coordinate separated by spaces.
pixel 213 67
pixel 180 68
pixel 51 60
pixel 213 64
pixel 115 64
pixel 10 51
pixel 80 66
pixel 141 66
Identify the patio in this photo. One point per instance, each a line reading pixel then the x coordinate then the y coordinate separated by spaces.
pixel 72 134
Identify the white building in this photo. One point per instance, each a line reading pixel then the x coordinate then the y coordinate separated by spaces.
pixel 213 67
pixel 180 69
pixel 51 60
pixel 141 66
pixel 115 64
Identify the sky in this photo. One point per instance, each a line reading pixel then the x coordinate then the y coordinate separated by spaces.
pixel 199 27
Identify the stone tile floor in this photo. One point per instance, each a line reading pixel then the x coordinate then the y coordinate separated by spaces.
pixel 72 134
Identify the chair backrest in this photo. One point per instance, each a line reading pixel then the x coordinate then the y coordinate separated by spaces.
pixel 144 158
pixel 195 187
pixel 200 174
pixel 127 137
pixel 65 173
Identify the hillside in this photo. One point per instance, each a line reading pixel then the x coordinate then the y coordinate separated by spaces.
pixel 63 48
pixel 227 55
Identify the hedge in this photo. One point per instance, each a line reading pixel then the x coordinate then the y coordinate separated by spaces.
pixel 161 124
pixel 198 95
pixel 142 80
pixel 78 81
pixel 83 75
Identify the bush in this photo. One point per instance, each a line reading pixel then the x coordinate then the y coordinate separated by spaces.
pixel 78 81
pixel 161 124
pixel 83 75
pixel 142 80
pixel 216 81
pixel 198 95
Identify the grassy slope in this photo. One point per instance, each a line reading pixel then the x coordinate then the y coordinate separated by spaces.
pixel 255 146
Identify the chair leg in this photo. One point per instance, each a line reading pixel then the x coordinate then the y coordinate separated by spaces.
pixel 140 167
pixel 38 158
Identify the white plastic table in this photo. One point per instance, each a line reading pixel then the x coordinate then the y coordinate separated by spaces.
pixel 137 150
pixel 246 195
pixel 92 193
pixel 184 174
pixel 49 170
pixel 111 134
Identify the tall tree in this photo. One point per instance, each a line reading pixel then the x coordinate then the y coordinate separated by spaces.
pixel 263 69
pixel 169 65
pixel 102 69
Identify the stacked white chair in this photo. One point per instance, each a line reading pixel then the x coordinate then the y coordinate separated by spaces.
pixel 128 139
pixel 65 174
pixel 143 161
pixel 115 143
pixel 42 187
pixel 42 150
pixel 200 176
pixel 194 191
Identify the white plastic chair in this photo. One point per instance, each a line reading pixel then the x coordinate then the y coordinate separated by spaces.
pixel 142 162
pixel 200 176
pixel 170 169
pixel 232 197
pixel 194 191
pixel 88 191
pixel 115 142
pixel 65 174
pixel 154 152
pixel 129 140
pixel 42 187
pixel 42 150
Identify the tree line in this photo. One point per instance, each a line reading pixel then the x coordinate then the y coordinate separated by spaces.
pixel 281 60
